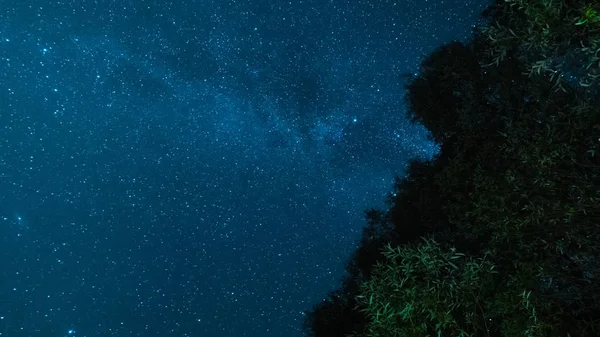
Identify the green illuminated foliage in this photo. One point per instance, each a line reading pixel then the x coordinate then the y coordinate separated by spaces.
pixel 424 290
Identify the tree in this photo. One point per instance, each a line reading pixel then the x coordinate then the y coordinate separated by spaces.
pixel 448 82
pixel 515 183
pixel 424 290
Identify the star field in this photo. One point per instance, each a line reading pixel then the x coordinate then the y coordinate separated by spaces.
pixel 198 168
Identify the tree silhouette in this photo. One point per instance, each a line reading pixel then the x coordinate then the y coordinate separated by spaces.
pixel 449 81
pixel 516 181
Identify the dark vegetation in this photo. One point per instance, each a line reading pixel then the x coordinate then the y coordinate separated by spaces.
pixel 498 235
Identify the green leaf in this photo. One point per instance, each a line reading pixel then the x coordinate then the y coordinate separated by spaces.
pixel 453 265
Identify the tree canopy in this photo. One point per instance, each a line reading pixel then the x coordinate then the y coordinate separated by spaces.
pixel 498 234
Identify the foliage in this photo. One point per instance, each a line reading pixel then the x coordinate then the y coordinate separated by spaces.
pixel 424 290
pixel 515 186
pixel 448 83
pixel 334 316
pixel 551 36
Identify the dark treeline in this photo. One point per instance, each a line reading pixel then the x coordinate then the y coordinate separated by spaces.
pixel 499 234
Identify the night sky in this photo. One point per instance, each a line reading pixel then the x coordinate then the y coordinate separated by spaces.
pixel 198 168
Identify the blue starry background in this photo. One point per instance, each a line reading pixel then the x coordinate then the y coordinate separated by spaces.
pixel 198 168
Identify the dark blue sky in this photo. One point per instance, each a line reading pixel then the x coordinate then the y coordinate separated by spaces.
pixel 198 168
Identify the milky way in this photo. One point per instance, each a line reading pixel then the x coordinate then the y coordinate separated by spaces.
pixel 198 168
